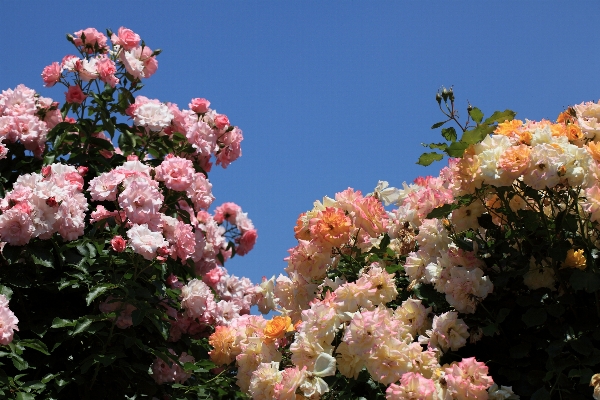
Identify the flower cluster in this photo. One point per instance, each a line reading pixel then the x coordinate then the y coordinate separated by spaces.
pixel 25 117
pixel 40 205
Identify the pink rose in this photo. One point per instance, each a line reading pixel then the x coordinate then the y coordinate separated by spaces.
pixel 221 121
pixel 75 95
pixel 51 74
pixel 247 242
pixel 199 105
pixel 118 244
pixel 89 38
pixel 106 70
pixel 126 38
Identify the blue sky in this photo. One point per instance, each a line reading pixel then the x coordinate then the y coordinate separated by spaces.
pixel 329 95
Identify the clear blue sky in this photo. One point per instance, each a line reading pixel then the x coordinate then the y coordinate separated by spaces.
pixel 328 94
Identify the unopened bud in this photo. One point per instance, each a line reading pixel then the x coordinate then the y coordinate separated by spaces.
pixel 438 98
pixel 451 94
pixel 109 32
pixel 469 108
pixel 445 94
pixel 156 52
pixel 70 38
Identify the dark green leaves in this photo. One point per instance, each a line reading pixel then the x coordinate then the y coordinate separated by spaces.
pixel 428 158
pixel 476 114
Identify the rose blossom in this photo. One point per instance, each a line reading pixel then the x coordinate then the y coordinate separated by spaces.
pixel 125 38
pixel 92 38
pixel 51 74
pixel 144 241
pixel 8 322
pixel 118 244
pixel 199 105
pixel 75 95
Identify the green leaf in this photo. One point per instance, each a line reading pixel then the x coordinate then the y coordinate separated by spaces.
pixel 456 149
pixel 19 362
pixel 137 316
pixel 476 114
pixel 449 134
pixel 442 211
pixel 534 317
pixel 25 396
pixel 96 291
pixel 583 280
pixel 35 344
pixel 440 146
pixel 500 116
pixel 438 124
pixel 62 323
pixel 427 158
pixel 42 256
pixel 82 325
pixel 477 134
pixel 583 345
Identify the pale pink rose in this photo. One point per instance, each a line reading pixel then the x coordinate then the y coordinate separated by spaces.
pixel 125 38
pixel 16 227
pixel 177 173
pixel 247 242
pixel 144 241
pixel 200 192
pixel 468 379
pixel 69 62
pixel 93 39
pixel 198 300
pixel 75 95
pixel 139 62
pixel 118 244
pixel 104 187
pixel 231 147
pixel 203 138
pixel 141 200
pixel 212 277
pixel 199 105
pixel 51 74
pixel 412 386
pixel 227 212
pixel 106 71
pixel 53 118
pixel 87 69
pixel 8 322
pixel 153 115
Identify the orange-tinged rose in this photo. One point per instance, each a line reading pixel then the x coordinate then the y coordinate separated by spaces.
pixel 301 231
pixel 575 259
pixel 594 149
pixel 277 328
pixel 508 128
pixel 222 342
pixel 331 227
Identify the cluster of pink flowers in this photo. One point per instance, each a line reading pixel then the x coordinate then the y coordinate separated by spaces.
pixel 26 117
pixel 171 372
pixel 8 322
pixel 349 219
pixel 207 131
pixel 216 300
pixel 40 205
pixel 98 61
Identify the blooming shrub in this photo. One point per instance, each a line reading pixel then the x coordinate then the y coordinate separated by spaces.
pixel 482 282
pixel 113 273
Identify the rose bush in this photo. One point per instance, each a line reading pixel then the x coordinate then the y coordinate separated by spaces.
pixel 482 283
pixel 112 272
